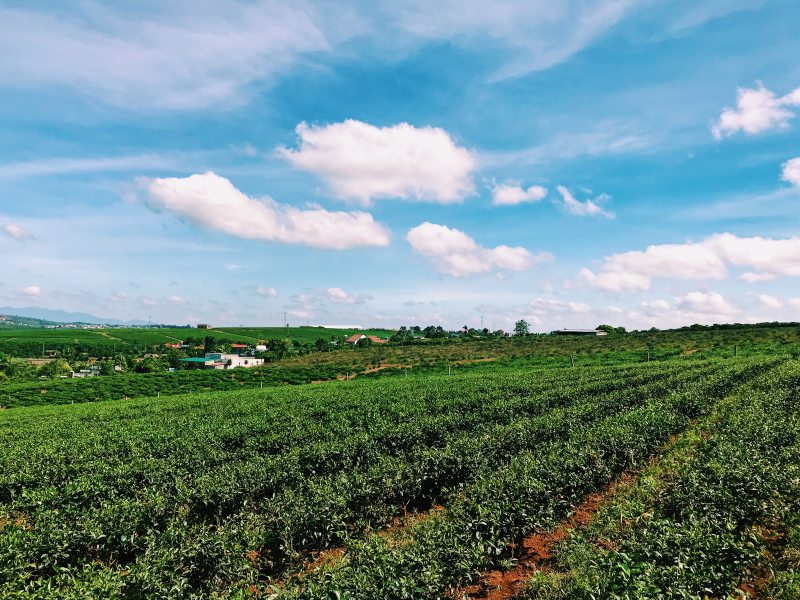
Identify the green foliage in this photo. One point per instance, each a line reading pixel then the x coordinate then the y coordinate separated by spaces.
pixel 704 522
pixel 611 329
pixel 209 494
pixel 521 327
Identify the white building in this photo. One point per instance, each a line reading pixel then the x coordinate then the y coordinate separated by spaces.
pixel 216 360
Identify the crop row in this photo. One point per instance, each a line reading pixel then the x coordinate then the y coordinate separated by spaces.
pixel 204 492
pixel 712 521
pixel 119 387
pixel 534 489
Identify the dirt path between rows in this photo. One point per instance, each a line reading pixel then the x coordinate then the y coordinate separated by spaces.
pixel 536 551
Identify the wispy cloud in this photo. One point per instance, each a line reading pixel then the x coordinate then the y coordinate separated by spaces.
pixel 536 34
pixel 15 231
pixel 182 55
pixel 587 208
pixel 600 139
pixel 63 166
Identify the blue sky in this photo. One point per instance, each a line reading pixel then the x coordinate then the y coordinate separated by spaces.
pixel 391 163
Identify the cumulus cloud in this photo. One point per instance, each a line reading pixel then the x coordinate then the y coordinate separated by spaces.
pixel 210 201
pixel 453 252
pixel 706 303
pixel 339 296
pixel 791 171
pixel 265 291
pixel 703 307
pixel 750 277
pixel 588 208
pixel 795 303
pixel 362 162
pixel 509 194
pixel 769 301
pixel 709 259
pixel 757 110
pixel 15 231
pixel 32 291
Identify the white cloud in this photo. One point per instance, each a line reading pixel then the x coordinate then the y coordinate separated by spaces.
pixel 708 259
pixel 589 208
pixel 270 292
pixel 362 162
pixel 611 281
pixel 757 110
pixel 301 314
pixel 791 171
pixel 795 303
pixel 536 34
pixel 616 310
pixel 58 166
pixel 454 252
pixel 542 306
pixel 694 307
pixel 179 55
pixel 769 301
pixel 706 303
pixel 32 291
pixel 339 296
pixel 509 194
pixel 212 202
pixel 15 231
pixel 656 306
pixel 574 139
pixel 750 277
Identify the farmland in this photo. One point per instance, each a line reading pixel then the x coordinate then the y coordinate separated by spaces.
pixel 419 360
pixel 30 341
pixel 396 487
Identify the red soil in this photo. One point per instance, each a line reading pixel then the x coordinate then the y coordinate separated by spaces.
pixel 537 549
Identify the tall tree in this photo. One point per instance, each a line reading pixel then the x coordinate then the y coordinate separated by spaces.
pixel 521 327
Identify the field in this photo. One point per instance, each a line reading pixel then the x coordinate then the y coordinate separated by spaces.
pixel 679 477
pixel 420 360
pixel 30 341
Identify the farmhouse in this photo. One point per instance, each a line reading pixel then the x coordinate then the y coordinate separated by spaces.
pixel 217 360
pixel 203 326
pixel 579 332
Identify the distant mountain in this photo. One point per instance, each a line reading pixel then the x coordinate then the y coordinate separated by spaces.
pixel 60 316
